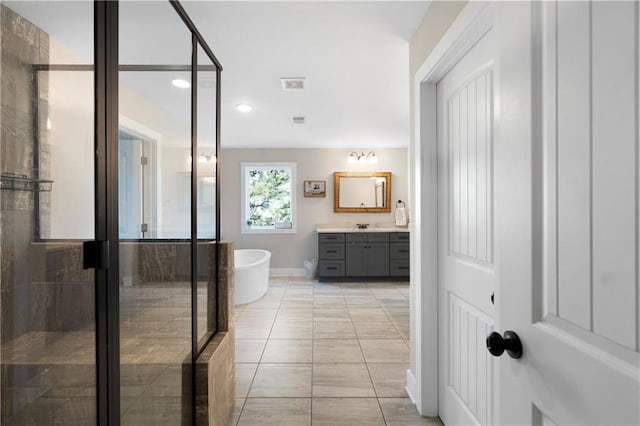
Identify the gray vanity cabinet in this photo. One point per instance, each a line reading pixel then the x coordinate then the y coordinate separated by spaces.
pixel 358 256
pixel 367 254
pixel 331 255
pixel 399 254
pixel 377 259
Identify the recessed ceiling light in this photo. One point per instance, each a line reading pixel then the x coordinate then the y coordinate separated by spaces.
pixel 180 83
pixel 244 107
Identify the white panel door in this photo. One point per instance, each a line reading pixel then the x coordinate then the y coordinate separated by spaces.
pixel 131 189
pixel 136 187
pixel 466 261
pixel 568 204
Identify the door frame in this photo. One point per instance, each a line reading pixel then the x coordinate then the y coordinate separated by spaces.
pixel 154 138
pixel 473 22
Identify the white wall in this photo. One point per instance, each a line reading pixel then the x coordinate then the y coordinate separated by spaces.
pixel 172 153
pixel 290 250
pixel 70 144
pixel 68 141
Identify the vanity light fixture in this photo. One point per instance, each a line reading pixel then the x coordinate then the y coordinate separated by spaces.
pixel 370 157
pixel 207 158
pixel 181 83
pixel 244 107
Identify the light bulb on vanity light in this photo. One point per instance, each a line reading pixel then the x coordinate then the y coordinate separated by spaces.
pixel 207 158
pixel 371 157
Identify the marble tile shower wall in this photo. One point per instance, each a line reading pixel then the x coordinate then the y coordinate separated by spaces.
pixel 23 44
pixel 25 293
pixel 160 262
pixel 62 293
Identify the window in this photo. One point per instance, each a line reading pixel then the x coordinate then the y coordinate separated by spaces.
pixel 268 198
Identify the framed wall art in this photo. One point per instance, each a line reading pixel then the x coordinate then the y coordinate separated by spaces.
pixel 315 188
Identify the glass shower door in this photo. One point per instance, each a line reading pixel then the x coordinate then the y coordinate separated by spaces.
pixel 115 344
pixel 155 255
pixel 47 147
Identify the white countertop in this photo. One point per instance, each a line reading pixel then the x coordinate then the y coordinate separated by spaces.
pixel 340 228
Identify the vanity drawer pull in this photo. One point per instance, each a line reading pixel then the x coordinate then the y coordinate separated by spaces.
pixel 331 251
pixel 400 237
pixel 331 238
pixel 331 268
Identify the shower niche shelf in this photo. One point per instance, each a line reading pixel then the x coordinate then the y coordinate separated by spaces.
pixel 18 182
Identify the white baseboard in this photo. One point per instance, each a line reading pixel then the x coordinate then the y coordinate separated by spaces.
pixel 411 386
pixel 286 272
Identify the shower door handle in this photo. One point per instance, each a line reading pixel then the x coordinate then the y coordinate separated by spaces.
pixel 95 254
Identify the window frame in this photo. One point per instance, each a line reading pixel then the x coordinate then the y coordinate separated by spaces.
pixel 244 196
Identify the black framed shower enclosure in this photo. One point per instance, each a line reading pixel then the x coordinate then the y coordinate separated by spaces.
pixel 103 253
pixel 109 209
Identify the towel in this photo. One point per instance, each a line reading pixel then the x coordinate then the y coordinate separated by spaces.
pixel 401 216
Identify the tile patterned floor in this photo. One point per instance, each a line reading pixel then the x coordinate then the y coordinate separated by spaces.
pixel 48 377
pixel 311 353
pixel 307 353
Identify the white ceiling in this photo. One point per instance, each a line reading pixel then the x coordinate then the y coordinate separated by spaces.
pixel 354 55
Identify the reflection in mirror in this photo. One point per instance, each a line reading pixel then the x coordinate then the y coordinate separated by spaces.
pixel 358 192
pixel 362 192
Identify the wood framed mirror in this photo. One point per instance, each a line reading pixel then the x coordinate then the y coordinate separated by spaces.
pixel 362 192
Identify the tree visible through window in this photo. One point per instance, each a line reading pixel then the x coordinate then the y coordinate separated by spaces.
pixel 268 197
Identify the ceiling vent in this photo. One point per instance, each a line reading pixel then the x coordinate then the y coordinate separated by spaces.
pixel 298 119
pixel 293 83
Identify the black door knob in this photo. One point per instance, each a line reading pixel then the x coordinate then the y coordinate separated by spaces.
pixel 496 344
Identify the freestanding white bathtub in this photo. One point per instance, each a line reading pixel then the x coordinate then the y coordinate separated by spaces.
pixel 251 275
